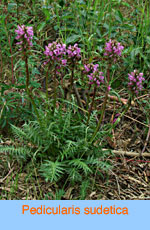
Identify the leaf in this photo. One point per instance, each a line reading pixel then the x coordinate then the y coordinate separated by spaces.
pixel 41 26
pixel 135 52
pixel 11 6
pixel 116 84
pixel 119 16
pixel 80 165
pixel 52 170
pixel 72 38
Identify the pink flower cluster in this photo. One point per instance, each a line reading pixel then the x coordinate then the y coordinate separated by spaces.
pixel 56 51
pixel 74 51
pixel 113 49
pixel 94 75
pixel 90 68
pixel 135 81
pixel 25 35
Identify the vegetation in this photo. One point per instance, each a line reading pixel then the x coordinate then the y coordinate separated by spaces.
pixel 74 86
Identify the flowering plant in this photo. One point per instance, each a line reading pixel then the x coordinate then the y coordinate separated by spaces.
pixel 74 52
pixel 55 52
pixel 25 36
pixel 94 75
pixel 135 81
pixel 113 49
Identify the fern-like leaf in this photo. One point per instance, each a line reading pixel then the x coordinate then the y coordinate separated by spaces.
pixel 80 164
pixel 19 152
pixel 52 171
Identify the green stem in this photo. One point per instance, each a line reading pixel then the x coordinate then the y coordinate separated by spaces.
pixel 47 86
pixel 88 97
pixel 90 109
pixel 27 72
pixel 71 79
pixel 1 69
pixel 29 93
pixel 104 105
pixel 127 108
pixel 78 97
pixel 101 117
pixel 11 53
pixel 55 90
pixel 121 115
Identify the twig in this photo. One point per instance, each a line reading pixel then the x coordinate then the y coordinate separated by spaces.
pixel 116 181
pixel 136 120
pixel 7 189
pixel 141 96
pixel 131 154
pixel 146 142
pixel 2 180
pixel 135 180
pixel 122 100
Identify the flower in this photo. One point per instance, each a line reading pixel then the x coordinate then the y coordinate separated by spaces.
pixel 64 62
pixel 135 81
pixel 113 49
pixel 109 88
pixel 94 75
pixel 24 35
pixel 74 51
pixel 55 51
pixel 90 68
pixel 96 78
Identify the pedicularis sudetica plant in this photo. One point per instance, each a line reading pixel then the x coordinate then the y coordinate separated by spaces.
pixel 64 142
pixel 61 148
pixel 113 51
pixel 74 54
pixel 59 56
pixel 135 82
pixel 95 78
pixel 24 37
pixel 55 52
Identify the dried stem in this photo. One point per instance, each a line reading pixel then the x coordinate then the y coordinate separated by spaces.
pixel 146 142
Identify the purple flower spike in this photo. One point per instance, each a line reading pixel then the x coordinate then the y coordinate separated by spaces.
pixel 135 81
pixel 113 49
pixel 25 36
pixel 56 51
pixel 94 75
pixel 74 51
